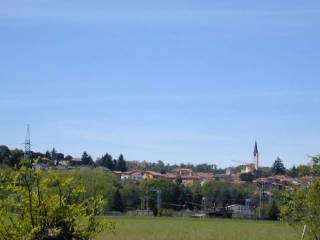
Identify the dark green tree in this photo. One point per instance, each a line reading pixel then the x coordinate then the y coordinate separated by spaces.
pixel 316 166
pixel 16 156
pixel 178 179
pixel 293 172
pixel 5 155
pixel 86 159
pixel 106 161
pixel 131 194
pixel 274 211
pixel 117 203
pixel 247 177
pixel 68 157
pixel 53 154
pixel 48 155
pixel 121 164
pixel 278 167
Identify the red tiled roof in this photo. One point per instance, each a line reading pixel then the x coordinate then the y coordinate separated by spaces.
pixel 76 159
pixel 134 172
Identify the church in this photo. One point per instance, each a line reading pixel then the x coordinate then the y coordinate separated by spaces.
pixel 254 166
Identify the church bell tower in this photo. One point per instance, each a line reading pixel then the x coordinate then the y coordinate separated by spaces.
pixel 256 156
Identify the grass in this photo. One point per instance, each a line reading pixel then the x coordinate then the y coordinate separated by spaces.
pixel 149 228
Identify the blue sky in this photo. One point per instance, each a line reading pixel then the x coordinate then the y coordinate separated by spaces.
pixel 178 81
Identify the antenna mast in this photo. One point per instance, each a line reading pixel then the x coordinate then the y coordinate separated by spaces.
pixel 27 144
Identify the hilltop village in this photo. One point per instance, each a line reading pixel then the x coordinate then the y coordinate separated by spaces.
pixel 140 188
pixel 246 172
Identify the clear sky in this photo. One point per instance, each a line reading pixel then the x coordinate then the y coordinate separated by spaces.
pixel 178 81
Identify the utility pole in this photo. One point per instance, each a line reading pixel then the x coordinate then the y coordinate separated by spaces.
pixel 27 144
pixel 204 204
pixel 158 199
pixel 261 200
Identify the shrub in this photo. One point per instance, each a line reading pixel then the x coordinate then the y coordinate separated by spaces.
pixel 43 205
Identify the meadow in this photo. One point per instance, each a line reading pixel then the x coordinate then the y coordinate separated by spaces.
pixel 144 228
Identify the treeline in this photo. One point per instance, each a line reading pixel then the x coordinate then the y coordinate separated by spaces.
pixel 13 157
pixel 161 167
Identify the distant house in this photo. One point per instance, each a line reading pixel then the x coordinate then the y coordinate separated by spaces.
pixel 236 208
pixel 277 182
pixel 153 175
pixel 75 161
pixel 183 172
pixel 249 168
pixel 228 171
pixel 40 166
pixel 136 175
pixel 187 175
pixel 45 160
pixel 240 211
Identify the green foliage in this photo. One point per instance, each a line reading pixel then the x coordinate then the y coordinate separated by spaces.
pixel 301 207
pixel 293 172
pixel 274 211
pixel 278 167
pixel 172 195
pixel 106 161
pixel 304 170
pixel 316 166
pixel 131 194
pixel 196 192
pixel 8 157
pixel 163 168
pixel 86 159
pixel 38 205
pixel 117 203
pixel 247 177
pixel 121 164
pixel 178 179
pixel 222 193
pixel 96 181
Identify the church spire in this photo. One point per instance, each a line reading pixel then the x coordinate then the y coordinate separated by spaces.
pixel 256 156
pixel 255 151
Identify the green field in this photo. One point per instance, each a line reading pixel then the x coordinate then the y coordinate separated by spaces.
pixel 143 228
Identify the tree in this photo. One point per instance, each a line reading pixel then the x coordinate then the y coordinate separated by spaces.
pixel 304 170
pixel 178 179
pixel 130 194
pixel 53 155
pixel 117 204
pixel 47 206
pixel 278 167
pixel 47 155
pixel 86 159
pixel 293 172
pixel 106 161
pixel 16 156
pixel 274 211
pixel 121 164
pixel 301 208
pixel 316 166
pixel 247 177
pixel 5 155
pixel 68 157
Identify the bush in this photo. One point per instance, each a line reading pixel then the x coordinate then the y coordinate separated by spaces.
pixel 38 205
pixel 301 209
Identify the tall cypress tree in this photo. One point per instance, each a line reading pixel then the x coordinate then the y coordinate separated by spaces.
pixel 117 203
pixel 86 159
pixel 121 164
